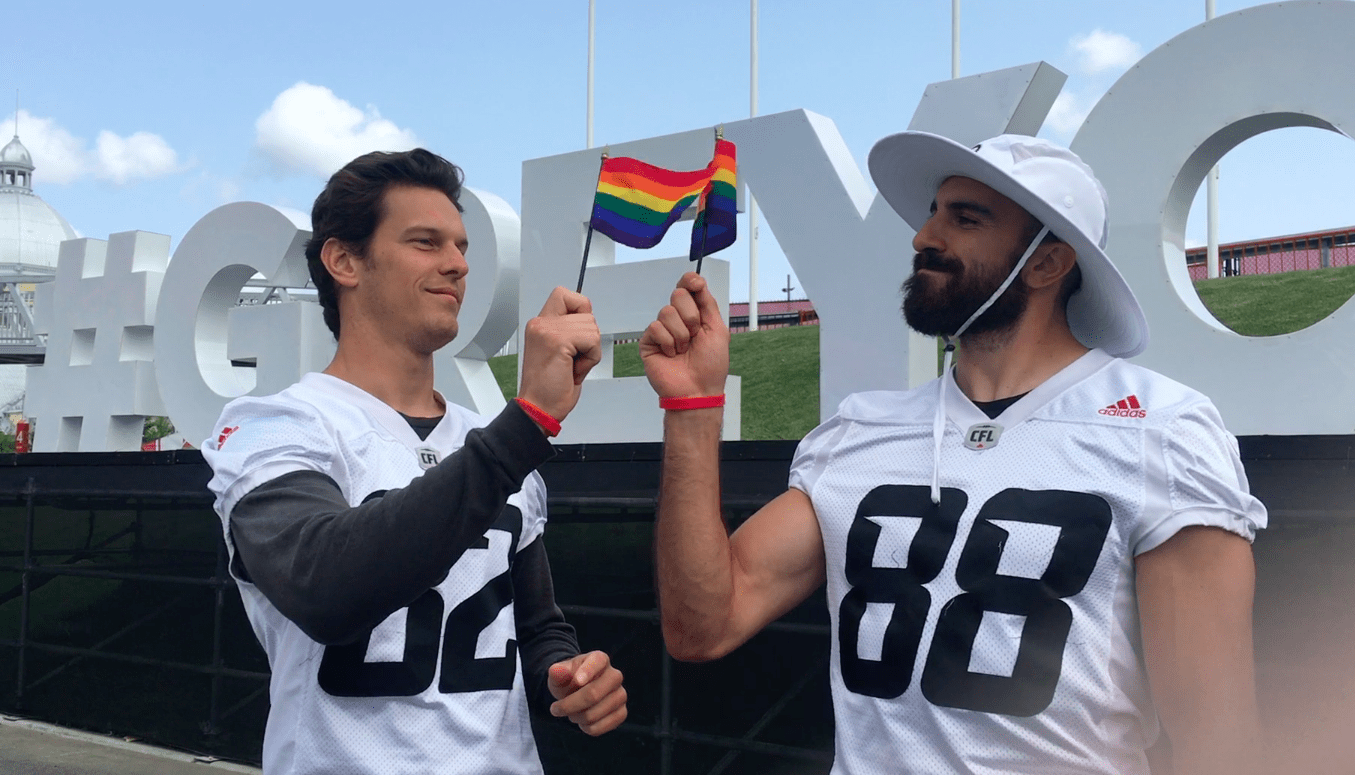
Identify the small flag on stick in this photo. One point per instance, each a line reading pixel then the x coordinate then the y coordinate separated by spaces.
pixel 716 217
pixel 636 202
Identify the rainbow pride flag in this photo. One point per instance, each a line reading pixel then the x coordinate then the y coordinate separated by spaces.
pixel 716 218
pixel 636 202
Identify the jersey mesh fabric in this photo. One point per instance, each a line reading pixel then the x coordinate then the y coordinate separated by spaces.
pixel 998 632
pixel 316 724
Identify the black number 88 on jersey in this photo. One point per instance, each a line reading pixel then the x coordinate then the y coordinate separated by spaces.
pixel 1083 522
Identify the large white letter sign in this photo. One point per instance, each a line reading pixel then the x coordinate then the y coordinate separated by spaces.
pixel 557 193
pixel 1154 137
pixel 97 384
pixel 217 256
pixel 490 313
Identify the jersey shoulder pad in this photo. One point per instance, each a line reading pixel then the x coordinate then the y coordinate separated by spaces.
pixel 259 438
pixel 1127 395
pixel 891 406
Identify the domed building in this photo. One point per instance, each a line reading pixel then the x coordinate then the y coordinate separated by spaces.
pixel 31 232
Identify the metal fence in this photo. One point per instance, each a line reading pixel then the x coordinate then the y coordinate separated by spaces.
pixel 1281 254
pixel 179 577
pixel 143 520
pixel 128 499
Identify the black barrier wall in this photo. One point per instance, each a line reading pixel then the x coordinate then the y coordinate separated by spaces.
pixel 116 614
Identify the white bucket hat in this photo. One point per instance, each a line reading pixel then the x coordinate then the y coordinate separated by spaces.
pixel 1049 182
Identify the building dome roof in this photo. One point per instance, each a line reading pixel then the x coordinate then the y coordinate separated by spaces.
pixel 15 154
pixel 31 232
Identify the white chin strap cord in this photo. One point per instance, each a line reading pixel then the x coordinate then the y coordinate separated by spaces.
pixel 939 422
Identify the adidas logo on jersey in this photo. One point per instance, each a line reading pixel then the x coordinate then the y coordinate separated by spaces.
pixel 1125 407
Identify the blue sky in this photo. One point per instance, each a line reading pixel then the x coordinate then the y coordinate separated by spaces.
pixel 146 115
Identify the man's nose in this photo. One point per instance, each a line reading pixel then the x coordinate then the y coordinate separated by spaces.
pixel 456 263
pixel 927 237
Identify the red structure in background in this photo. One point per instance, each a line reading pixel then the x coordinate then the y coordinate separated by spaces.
pixel 1270 255
pixel 23 437
pixel 773 314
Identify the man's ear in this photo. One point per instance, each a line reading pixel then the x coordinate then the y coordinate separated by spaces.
pixel 1048 266
pixel 341 262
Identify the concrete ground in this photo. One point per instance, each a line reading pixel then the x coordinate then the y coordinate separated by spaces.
pixel 33 748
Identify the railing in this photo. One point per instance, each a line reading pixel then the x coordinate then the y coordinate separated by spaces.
pixel 17 331
pixel 1272 256
pixel 131 498
pixel 120 556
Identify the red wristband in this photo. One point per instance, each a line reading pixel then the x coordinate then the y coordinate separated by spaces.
pixel 691 402
pixel 550 424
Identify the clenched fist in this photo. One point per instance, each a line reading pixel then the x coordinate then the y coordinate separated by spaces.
pixel 560 346
pixel 686 350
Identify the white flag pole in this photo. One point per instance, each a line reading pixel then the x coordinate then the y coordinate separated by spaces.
pixel 1212 197
pixel 752 203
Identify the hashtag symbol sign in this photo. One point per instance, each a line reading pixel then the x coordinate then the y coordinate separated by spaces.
pixel 97 383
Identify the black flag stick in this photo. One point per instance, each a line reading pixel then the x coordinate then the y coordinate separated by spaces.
pixel 705 227
pixel 588 241
pixel 705 223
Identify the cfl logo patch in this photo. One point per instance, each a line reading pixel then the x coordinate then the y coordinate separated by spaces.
pixel 982 436
pixel 428 457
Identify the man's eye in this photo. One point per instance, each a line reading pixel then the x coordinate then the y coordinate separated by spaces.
pixel 424 241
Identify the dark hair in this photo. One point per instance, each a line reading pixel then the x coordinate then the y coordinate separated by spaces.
pixel 1071 281
pixel 353 204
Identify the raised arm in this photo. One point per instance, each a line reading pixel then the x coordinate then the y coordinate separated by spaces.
pixel 715 590
pixel 337 571
pixel 1195 602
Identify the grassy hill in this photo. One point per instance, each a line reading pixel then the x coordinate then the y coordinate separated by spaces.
pixel 780 371
pixel 780 367
pixel 1270 304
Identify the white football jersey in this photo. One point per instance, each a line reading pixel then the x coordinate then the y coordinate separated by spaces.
pixel 438 686
pixel 998 632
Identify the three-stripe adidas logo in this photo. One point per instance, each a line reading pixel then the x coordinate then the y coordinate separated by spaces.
pixel 1125 407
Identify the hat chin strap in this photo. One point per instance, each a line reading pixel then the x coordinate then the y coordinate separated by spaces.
pixel 939 422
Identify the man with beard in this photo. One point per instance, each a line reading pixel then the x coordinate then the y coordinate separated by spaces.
pixel 1029 560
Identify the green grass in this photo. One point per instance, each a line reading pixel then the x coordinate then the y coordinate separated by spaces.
pixel 780 371
pixel 779 368
pixel 1271 304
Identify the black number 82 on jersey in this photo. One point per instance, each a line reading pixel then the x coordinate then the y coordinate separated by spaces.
pixel 345 672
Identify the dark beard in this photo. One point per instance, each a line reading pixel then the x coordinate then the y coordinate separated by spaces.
pixel 933 311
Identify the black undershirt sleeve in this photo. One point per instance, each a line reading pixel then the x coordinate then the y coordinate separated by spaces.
pixel 338 571
pixel 544 637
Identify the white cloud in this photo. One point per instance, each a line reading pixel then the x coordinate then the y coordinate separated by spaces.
pixel 1067 114
pixel 142 155
pixel 1100 51
pixel 60 157
pixel 310 129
